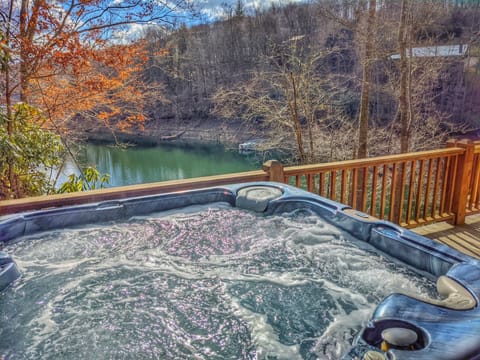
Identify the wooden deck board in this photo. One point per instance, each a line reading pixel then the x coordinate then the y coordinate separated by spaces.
pixel 464 238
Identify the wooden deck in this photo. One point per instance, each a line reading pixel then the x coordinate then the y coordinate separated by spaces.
pixel 465 238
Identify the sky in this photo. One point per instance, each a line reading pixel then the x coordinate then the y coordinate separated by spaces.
pixel 214 8
pixel 209 10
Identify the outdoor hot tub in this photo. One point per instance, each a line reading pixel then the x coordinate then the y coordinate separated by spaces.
pixel 258 270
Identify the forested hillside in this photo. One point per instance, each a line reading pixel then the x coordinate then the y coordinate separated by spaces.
pixel 226 68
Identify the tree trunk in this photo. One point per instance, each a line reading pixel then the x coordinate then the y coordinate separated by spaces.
pixel 310 136
pixel 403 107
pixel 366 84
pixel 23 25
pixel 403 98
pixel 365 102
pixel 10 131
pixel 28 27
pixel 8 102
pixel 296 120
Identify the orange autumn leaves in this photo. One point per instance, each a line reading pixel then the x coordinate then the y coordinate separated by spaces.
pixel 103 84
pixel 65 65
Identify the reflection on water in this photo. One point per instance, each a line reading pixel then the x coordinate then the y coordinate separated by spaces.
pixel 207 282
pixel 136 165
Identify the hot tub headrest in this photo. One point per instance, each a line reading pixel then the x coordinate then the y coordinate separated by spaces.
pixel 256 198
pixel 454 295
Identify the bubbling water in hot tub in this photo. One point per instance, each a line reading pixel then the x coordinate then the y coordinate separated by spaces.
pixel 205 282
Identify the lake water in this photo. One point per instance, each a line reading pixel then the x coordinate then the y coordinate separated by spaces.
pixel 136 165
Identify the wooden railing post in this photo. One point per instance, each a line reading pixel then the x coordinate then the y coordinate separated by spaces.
pixel 274 169
pixel 463 179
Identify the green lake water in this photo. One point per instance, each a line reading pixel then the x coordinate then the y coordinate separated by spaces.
pixel 136 165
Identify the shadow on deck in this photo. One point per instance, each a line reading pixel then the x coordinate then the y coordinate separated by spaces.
pixel 464 238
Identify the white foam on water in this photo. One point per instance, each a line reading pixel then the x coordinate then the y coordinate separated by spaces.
pixel 176 214
pixel 264 336
pixel 284 253
pixel 343 293
pixel 335 340
pixel 43 323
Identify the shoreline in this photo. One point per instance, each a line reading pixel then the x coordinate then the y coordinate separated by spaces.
pixel 206 132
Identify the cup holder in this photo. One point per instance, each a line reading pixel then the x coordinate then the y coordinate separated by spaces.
pixel 395 334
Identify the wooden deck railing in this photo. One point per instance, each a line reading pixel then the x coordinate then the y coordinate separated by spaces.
pixel 408 189
pixel 122 192
pixel 473 204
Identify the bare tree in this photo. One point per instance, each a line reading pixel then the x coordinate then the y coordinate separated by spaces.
pixel 291 99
